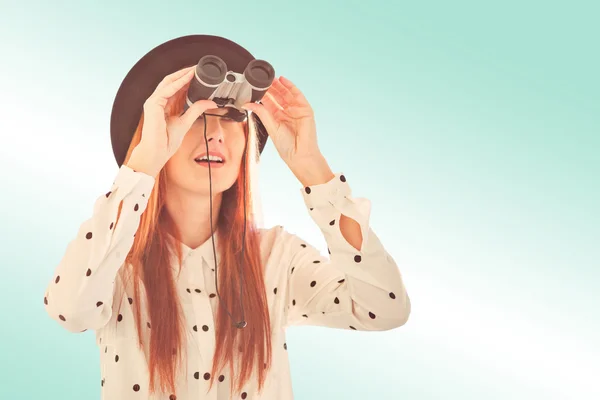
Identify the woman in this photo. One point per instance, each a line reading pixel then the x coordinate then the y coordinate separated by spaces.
pixel 143 269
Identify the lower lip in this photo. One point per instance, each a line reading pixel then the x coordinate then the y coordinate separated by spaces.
pixel 212 165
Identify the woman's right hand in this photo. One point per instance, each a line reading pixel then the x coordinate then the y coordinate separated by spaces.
pixel 162 135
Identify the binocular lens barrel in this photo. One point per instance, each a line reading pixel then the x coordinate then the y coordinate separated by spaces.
pixel 211 72
pixel 260 75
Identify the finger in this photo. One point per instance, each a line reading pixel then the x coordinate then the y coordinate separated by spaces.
pixel 173 87
pixel 277 96
pixel 175 76
pixel 271 104
pixel 293 89
pixel 281 93
pixel 264 114
pixel 195 110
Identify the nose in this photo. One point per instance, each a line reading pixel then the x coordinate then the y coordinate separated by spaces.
pixel 215 130
pixel 215 135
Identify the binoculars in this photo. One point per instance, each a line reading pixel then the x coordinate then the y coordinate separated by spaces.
pixel 214 81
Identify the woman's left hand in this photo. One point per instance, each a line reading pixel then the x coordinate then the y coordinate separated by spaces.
pixel 290 122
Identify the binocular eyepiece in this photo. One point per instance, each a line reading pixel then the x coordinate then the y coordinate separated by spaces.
pixel 214 81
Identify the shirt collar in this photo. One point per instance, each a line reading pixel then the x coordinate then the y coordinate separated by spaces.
pixel 205 250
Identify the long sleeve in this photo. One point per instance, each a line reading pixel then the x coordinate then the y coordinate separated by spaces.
pixel 352 289
pixel 79 296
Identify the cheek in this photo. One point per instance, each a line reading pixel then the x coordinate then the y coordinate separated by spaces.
pixel 179 162
pixel 173 168
pixel 237 148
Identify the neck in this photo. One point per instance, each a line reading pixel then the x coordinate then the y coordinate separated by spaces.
pixel 190 212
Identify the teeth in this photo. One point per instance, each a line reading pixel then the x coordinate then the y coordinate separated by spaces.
pixel 210 158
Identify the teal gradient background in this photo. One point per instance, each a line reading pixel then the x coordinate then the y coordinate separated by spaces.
pixel 473 127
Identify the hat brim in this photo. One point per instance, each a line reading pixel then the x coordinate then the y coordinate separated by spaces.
pixel 141 81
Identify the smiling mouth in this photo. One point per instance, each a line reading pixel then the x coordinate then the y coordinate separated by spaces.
pixel 209 159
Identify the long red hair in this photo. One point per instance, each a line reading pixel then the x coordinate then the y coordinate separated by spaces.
pixel 148 264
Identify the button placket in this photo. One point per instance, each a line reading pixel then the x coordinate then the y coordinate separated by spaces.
pixel 203 313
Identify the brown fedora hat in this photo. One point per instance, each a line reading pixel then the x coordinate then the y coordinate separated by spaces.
pixel 141 81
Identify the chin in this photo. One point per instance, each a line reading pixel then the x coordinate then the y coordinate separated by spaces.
pixel 216 188
pixel 198 180
pixel 219 184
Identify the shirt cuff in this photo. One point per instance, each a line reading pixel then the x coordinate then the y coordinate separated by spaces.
pixel 327 193
pixel 328 201
pixel 138 183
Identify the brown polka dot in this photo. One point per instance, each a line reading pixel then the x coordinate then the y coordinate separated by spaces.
pixel 111 225
pixel 307 190
pixel 336 300
pixel 342 178
pixel 293 302
pixel 312 208
pixel 102 382
pixel 206 376
pixel 329 251
pixel 371 315
pixel 205 328
pixel 212 295
pixel 305 316
pixel 88 272
pixel 275 290
pixel 313 283
pixel 195 328
pixel 197 375
pixel 341 281
pixel 62 318
pixel 172 397
pixel 316 261
pixel 332 222
pixel 148 323
pixel 188 290
pixel 292 270
pixel 285 346
pixel 57 279
pixel 136 208
pixel 108 194
pixel 392 295
pixel 357 259
pixel 45 300
pixel 303 245
pixel 197 291
pixel 221 378
pixel 120 318
pixel 98 304
pixel 244 395
pixel 130 300
pixel 353 328
pixel 117 358
pixel 88 235
pixel 136 388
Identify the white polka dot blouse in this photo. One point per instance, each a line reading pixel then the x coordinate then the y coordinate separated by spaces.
pixel 360 290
